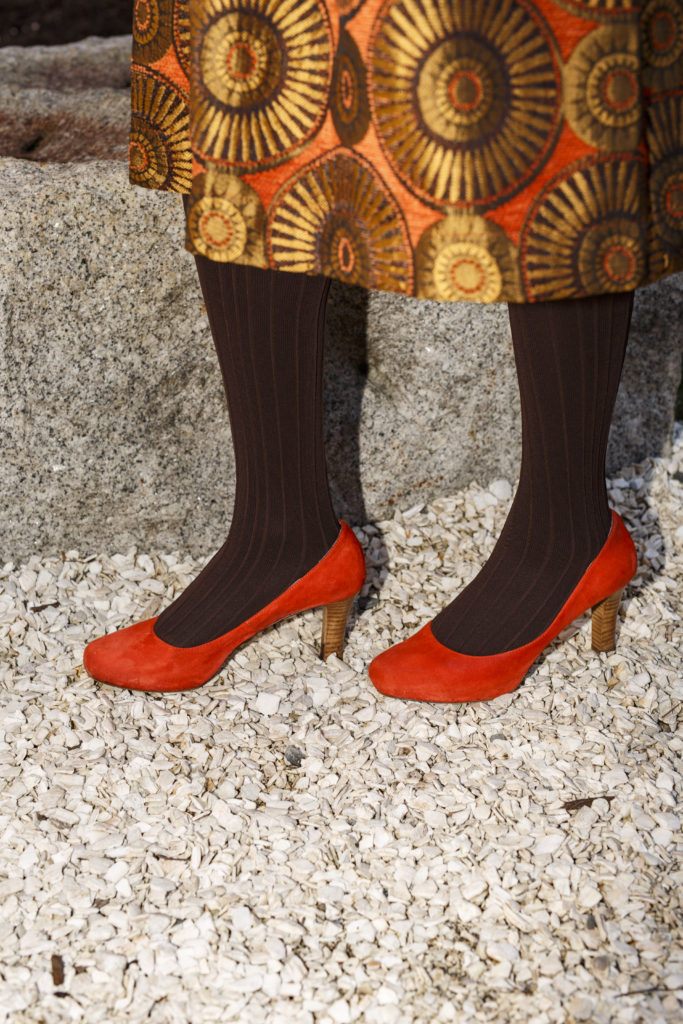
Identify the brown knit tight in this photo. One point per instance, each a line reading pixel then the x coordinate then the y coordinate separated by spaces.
pixel 268 328
pixel 569 355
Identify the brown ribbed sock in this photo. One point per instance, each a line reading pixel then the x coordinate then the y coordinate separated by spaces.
pixel 268 328
pixel 569 355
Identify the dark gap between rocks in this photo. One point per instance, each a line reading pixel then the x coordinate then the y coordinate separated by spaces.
pixel 61 138
pixel 47 23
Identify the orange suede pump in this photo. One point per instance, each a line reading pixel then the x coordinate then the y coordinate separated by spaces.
pixel 135 657
pixel 421 668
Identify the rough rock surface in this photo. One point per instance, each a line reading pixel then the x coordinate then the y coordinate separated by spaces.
pixel 92 63
pixel 65 103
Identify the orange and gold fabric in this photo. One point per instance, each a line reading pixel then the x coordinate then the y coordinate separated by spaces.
pixel 482 150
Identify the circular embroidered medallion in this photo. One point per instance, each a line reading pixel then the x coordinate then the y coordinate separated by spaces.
pixel 662 42
pixel 152 30
pixel 158 152
pixel 182 38
pixel 466 257
pixel 667 196
pixel 602 88
pixel 465 96
pixel 336 217
pixel 666 179
pixel 225 221
pixel 585 234
pixel 349 95
pixel 263 79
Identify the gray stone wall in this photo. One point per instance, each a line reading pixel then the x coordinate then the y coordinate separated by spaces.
pixel 111 408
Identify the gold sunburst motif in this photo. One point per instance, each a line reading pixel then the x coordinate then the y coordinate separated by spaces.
pixel 465 96
pixel 182 36
pixel 225 221
pixel 602 88
pixel 152 30
pixel 586 232
pixel 336 217
pixel 662 43
pixel 158 153
pixel 349 94
pixel 465 257
pixel 263 74
pixel 664 135
pixel 601 10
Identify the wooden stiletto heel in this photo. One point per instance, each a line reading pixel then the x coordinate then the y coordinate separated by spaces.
pixel 335 617
pixel 604 622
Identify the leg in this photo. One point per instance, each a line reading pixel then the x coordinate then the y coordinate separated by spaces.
pixel 569 354
pixel 286 551
pixel 268 329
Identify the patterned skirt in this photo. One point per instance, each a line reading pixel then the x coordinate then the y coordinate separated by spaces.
pixel 482 150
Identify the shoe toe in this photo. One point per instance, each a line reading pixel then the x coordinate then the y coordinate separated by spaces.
pixel 421 668
pixel 119 658
pixel 409 669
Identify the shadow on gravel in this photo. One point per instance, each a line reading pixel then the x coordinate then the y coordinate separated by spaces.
pixel 346 363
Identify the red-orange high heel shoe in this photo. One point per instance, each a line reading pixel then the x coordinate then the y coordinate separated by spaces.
pixel 421 668
pixel 135 657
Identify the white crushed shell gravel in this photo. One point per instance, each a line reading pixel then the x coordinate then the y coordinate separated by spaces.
pixel 285 844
